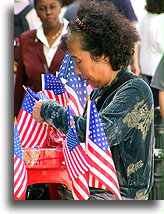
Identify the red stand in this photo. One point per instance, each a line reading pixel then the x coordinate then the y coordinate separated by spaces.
pixel 46 166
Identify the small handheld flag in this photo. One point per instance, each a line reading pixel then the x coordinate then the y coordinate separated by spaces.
pixel 102 171
pixel 31 133
pixel 34 96
pixel 75 159
pixel 20 172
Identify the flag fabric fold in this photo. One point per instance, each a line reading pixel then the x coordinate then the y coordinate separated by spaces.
pixel 102 172
pixel 20 172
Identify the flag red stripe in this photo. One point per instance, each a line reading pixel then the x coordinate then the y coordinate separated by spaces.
pixel 33 138
pixel 22 186
pixel 115 191
pixel 24 128
pixel 61 98
pixel 71 170
pixel 77 167
pixel 75 163
pixel 82 186
pixel 81 158
pixel 73 100
pixel 32 133
pixel 22 119
pixel 107 177
pixel 20 177
pixel 101 158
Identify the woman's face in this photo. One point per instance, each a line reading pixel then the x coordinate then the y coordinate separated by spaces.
pixel 98 73
pixel 48 12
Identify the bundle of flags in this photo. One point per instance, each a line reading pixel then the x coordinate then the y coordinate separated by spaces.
pixel 77 89
pixel 31 133
pixel 76 162
pixel 93 167
pixel 34 134
pixel 75 86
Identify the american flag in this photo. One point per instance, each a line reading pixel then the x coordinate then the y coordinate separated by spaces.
pixel 102 172
pixel 20 172
pixel 31 133
pixel 76 161
pixel 53 87
pixel 34 96
pixel 77 88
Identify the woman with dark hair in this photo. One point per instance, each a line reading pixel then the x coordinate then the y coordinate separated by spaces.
pixel 151 45
pixel 126 9
pixel 40 51
pixel 101 41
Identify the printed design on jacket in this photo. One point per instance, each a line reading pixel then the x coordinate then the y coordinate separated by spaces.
pixel 134 167
pixel 140 117
pixel 141 194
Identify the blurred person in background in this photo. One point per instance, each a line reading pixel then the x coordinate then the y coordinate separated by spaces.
pixel 40 51
pixel 25 18
pixel 139 8
pixel 65 4
pixel 125 7
pixel 158 83
pixel 151 44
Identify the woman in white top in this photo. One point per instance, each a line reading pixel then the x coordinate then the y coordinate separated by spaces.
pixel 151 45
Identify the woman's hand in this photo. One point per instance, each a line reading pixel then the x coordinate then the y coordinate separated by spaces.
pixel 36 111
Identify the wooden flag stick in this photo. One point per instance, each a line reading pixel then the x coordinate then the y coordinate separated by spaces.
pixel 29 93
pixel 87 125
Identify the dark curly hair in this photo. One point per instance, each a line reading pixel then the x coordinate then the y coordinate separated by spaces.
pixel 36 2
pixel 155 6
pixel 104 32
